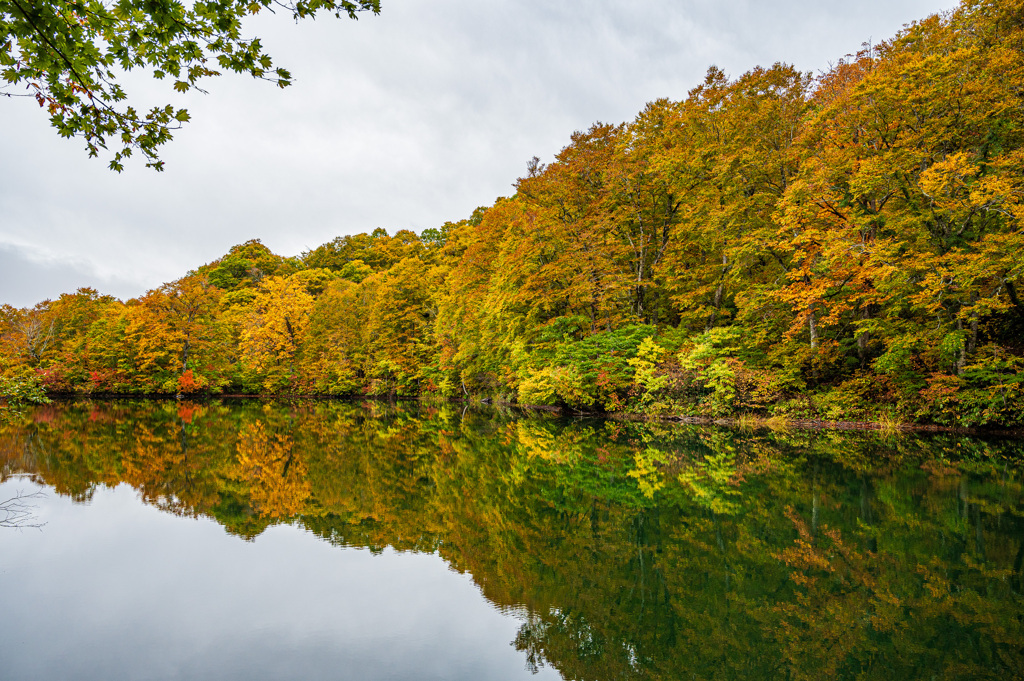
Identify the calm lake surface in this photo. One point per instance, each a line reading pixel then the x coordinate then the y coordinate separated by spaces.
pixel 332 540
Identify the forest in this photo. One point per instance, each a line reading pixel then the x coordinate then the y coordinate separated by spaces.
pixel 846 246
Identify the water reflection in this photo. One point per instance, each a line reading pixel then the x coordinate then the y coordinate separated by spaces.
pixel 628 550
pixel 18 510
pixel 120 590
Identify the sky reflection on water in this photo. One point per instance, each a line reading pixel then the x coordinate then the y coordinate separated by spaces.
pixel 116 589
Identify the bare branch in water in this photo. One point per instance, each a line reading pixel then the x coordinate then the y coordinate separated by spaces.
pixel 18 512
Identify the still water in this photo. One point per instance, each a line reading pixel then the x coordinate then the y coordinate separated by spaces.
pixel 329 540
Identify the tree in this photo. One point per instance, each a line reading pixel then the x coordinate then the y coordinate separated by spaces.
pixel 729 156
pixel 30 332
pixel 399 327
pixel 275 329
pixel 180 325
pixel 71 54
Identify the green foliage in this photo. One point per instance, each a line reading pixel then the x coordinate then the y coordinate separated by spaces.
pixel 355 271
pixel 245 266
pixel 542 387
pixel 712 360
pixel 23 389
pixel 649 380
pixel 17 391
pixel 68 55
pixel 596 370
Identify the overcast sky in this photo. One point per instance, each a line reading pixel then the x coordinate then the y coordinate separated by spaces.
pixel 403 120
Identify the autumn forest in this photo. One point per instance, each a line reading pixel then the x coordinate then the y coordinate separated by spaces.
pixel 846 246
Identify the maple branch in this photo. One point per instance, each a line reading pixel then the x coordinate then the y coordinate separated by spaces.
pixel 46 39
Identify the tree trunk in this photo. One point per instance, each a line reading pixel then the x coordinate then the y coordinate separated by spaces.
pixel 1012 292
pixel 973 342
pixel 962 360
pixel 862 338
pixel 719 292
pixel 184 355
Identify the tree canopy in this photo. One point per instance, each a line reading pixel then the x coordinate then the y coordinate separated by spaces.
pixel 844 247
pixel 71 55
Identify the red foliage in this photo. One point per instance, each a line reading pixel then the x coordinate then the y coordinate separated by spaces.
pixel 54 380
pixel 187 383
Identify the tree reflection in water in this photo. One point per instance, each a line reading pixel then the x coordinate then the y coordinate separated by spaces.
pixel 636 550
pixel 18 512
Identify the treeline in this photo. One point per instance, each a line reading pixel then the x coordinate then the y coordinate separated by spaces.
pixel 848 246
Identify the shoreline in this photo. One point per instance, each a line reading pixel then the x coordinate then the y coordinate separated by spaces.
pixel 779 423
pixel 743 421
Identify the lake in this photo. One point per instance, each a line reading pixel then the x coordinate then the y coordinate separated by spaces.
pixel 335 540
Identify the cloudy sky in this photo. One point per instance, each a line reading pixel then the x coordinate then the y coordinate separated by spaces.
pixel 403 120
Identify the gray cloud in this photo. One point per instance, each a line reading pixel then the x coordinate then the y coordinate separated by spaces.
pixel 27 278
pixel 405 120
